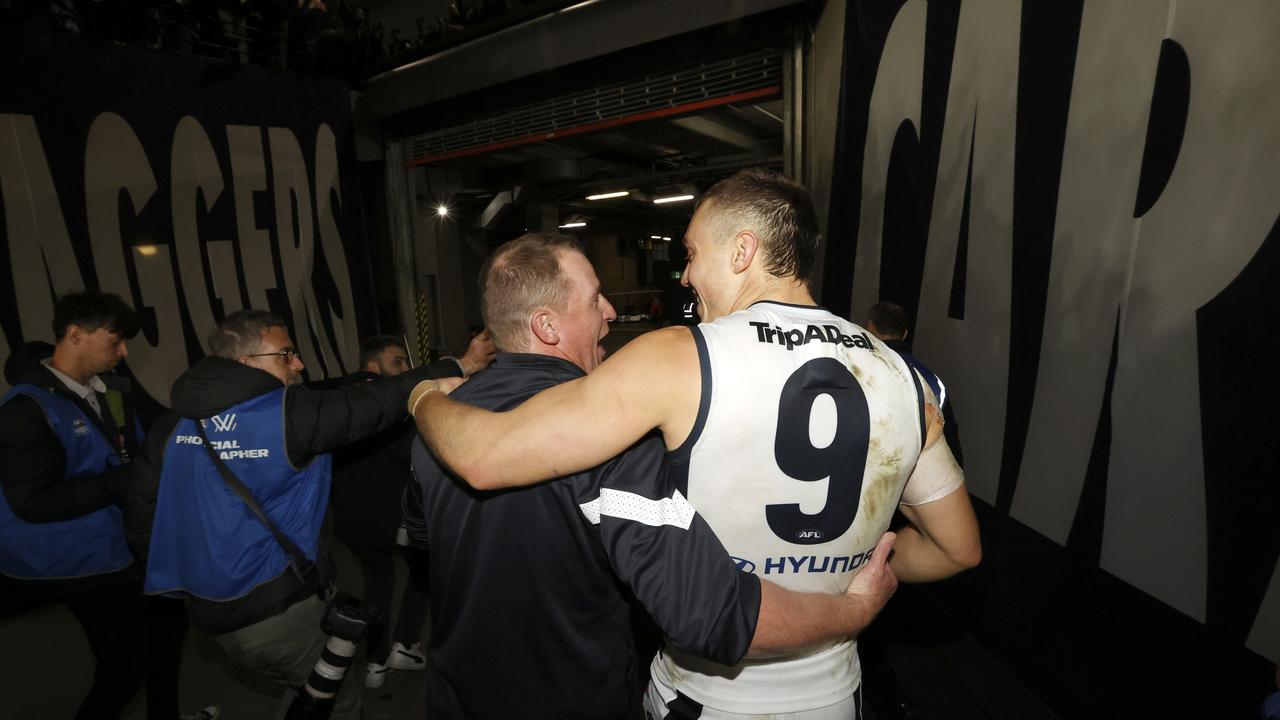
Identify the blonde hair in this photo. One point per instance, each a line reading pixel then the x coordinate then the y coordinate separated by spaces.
pixel 779 211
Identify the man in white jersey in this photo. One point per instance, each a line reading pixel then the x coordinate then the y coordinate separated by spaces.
pixel 798 434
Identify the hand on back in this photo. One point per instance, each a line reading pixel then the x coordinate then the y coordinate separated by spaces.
pixel 876 582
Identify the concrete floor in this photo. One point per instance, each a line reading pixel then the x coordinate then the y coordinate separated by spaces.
pixel 937 670
pixel 48 669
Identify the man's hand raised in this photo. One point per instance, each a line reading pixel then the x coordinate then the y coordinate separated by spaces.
pixel 479 354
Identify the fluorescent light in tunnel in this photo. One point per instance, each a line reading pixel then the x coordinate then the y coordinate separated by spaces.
pixel 671 199
pixel 655 237
pixel 609 195
pixel 573 225
pixel 666 239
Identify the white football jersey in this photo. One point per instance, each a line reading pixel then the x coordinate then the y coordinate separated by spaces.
pixel 808 430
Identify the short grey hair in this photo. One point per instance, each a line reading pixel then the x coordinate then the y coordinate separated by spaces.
pixel 520 277
pixel 241 333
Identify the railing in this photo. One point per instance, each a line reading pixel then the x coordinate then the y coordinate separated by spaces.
pixel 329 37
pixel 463 25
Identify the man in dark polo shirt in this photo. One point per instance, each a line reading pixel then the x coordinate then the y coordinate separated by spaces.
pixel 530 588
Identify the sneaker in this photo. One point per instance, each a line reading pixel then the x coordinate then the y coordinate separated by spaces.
pixel 407 658
pixel 374 675
pixel 210 713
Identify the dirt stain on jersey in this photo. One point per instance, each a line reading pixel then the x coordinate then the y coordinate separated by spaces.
pixel 882 490
pixel 886 461
pixel 865 379
pixel 884 358
pixel 884 471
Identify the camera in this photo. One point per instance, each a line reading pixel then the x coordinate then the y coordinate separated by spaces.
pixel 346 623
pixel 345 619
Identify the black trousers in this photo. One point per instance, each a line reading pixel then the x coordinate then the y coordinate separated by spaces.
pixel 166 620
pixel 113 621
pixel 135 640
pixel 377 564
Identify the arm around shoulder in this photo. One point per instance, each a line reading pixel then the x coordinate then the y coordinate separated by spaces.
pixel 320 421
pixel 568 428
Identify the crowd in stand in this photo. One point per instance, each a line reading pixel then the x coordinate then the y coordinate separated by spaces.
pixel 331 37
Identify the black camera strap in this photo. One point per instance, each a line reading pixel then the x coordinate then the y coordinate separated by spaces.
pixel 302 566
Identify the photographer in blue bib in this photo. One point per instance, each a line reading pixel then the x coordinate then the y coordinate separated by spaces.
pixel 68 431
pixel 262 601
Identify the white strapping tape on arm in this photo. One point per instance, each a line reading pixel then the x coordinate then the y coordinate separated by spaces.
pixel 936 475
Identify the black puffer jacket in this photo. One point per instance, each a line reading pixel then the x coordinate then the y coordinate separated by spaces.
pixel 316 422
pixel 368 482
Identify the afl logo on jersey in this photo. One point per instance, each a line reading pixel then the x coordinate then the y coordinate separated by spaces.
pixel 744 565
pixel 809 535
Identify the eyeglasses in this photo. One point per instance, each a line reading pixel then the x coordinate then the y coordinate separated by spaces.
pixel 286 356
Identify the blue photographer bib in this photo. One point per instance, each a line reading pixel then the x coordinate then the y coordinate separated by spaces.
pixel 91 544
pixel 205 540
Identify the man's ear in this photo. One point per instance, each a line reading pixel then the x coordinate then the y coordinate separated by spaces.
pixel 745 246
pixel 74 334
pixel 372 366
pixel 543 326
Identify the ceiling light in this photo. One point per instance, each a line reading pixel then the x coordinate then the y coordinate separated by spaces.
pixel 671 199
pixel 609 195
pixel 666 239
pixel 442 210
pixel 655 237
pixel 147 250
pixel 572 225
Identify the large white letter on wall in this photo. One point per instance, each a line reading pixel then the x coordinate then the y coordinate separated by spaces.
pixel 1093 233
pixel 972 354
pixel 39 246
pixel 195 175
pixel 895 98
pixel 1217 208
pixel 115 161
pixel 327 195
pixel 248 178
pixel 296 240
